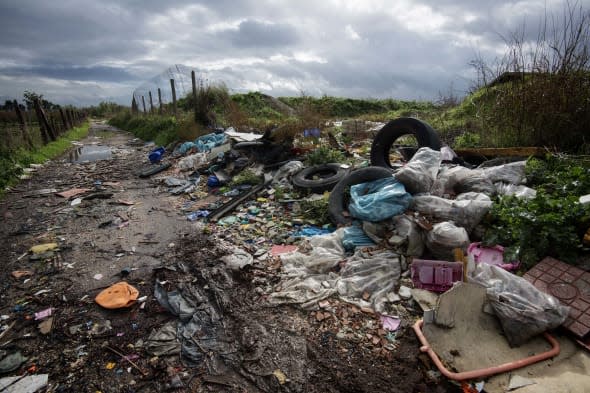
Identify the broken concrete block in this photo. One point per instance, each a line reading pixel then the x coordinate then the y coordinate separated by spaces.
pixel 459 303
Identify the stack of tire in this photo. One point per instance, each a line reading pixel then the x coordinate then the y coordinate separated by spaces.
pixel 381 166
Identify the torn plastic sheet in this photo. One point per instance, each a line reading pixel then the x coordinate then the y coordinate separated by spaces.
pixel 407 238
pixel 237 259
pixel 519 191
pixel 163 342
pixel 200 328
pixel 374 272
pixel 307 278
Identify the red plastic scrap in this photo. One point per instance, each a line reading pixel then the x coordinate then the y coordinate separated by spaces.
pixel 570 285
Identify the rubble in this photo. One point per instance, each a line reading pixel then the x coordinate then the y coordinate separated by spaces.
pixel 241 283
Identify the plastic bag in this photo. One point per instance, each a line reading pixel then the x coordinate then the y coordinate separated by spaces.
pixel 444 238
pixel 464 213
pixel 473 196
pixel 476 181
pixel 408 238
pixel 286 171
pixel 192 162
pixel 512 173
pixel 518 191
pixel 354 237
pixel 419 173
pixel 523 310
pixel 458 180
pixel 377 231
pixel 375 273
pixel 378 200
pixel 446 179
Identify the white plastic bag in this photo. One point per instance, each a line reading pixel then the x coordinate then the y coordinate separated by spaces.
pixel 523 310
pixel 444 238
pixel 464 213
pixel 512 173
pixel 419 173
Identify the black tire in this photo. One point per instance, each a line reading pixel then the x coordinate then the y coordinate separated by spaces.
pixel 383 141
pixel 339 195
pixel 327 177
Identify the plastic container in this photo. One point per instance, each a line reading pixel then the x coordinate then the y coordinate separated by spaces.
pixel 156 155
pixel 476 253
pixel 437 276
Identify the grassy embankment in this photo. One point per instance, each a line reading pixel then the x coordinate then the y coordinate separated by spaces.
pixel 13 162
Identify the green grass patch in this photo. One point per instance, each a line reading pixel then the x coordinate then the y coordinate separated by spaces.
pixel 12 162
pixel 162 129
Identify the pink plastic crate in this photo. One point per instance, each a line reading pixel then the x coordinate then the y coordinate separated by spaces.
pixel 437 276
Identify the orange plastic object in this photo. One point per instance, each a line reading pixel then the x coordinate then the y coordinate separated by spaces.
pixel 118 295
pixel 483 372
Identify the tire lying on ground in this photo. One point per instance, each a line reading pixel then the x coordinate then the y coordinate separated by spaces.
pixel 385 138
pixel 340 194
pixel 320 178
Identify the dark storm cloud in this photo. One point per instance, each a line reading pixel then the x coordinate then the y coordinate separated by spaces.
pixel 80 73
pixel 90 50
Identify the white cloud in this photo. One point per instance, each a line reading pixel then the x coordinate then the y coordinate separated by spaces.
pixel 351 33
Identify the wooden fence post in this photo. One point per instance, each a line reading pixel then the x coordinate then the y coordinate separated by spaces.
pixel 63 118
pixel 46 132
pixel 23 126
pixel 194 80
pixel 134 108
pixel 143 102
pixel 151 102
pixel 160 100
pixel 173 96
pixel 54 126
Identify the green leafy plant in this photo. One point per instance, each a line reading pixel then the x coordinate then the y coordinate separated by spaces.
pixel 324 155
pixel 553 222
pixel 315 211
pixel 247 176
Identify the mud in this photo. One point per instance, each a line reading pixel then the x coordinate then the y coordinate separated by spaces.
pixel 234 342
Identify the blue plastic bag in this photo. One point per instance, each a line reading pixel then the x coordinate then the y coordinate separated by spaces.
pixel 378 200
pixel 354 236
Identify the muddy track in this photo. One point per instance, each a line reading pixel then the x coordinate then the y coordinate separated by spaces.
pixel 229 339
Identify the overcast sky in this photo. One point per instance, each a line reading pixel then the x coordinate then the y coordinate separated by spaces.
pixel 86 51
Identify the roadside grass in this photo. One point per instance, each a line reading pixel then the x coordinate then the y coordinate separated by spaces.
pixel 12 162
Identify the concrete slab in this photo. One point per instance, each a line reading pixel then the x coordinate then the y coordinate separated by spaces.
pixel 476 341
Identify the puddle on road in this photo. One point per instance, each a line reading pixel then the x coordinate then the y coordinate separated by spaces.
pixel 90 153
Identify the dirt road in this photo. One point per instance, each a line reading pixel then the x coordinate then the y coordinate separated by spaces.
pixel 217 333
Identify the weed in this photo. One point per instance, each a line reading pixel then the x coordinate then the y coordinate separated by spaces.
pixel 324 155
pixel 315 211
pixel 247 176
